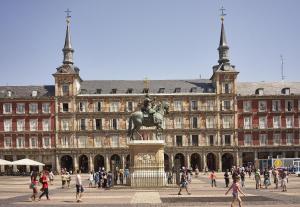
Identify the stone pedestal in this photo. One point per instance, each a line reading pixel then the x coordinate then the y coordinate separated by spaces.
pixel 147 163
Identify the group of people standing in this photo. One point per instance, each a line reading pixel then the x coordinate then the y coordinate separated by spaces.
pixel 42 179
pixel 279 175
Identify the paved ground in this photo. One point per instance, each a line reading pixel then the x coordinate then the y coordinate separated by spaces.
pixel 14 192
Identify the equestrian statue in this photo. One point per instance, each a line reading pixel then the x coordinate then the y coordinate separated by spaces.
pixel 151 114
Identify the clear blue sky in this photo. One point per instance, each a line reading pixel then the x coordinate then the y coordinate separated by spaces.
pixel 158 39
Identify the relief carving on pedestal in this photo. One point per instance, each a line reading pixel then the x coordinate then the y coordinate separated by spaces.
pixel 145 157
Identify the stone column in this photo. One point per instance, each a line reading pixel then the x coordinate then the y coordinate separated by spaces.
pixel 237 161
pixel 204 160
pixel 172 160
pixel 40 160
pixel 220 162
pixel 2 166
pixel 75 160
pixel 123 161
pixel 14 166
pixel 91 165
pixel 107 164
pixel 296 154
pixel 27 166
pixel 255 155
pixel 58 168
pixel 188 160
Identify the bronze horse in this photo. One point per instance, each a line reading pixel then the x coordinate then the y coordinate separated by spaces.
pixel 138 119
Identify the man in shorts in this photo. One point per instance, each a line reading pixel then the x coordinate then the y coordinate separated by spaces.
pixel 79 187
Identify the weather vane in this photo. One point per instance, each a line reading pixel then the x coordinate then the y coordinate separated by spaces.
pixel 68 15
pixel 222 13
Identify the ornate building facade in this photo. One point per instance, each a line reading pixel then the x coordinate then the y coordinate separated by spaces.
pixel 214 123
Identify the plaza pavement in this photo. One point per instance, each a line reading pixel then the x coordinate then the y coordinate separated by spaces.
pixel 15 192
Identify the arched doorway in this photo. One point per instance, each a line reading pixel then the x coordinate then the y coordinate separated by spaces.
pixel 248 159
pixel 179 161
pixel 84 164
pixel 66 162
pixel 98 162
pixel 195 161
pixel 211 161
pixel 227 161
pixel 167 163
pixel 127 162
pixel 115 162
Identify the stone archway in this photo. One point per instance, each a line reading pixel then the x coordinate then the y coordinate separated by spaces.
pixel 98 162
pixel 167 163
pixel 115 162
pixel 195 161
pixel 248 159
pixel 127 162
pixel 227 161
pixel 179 160
pixel 211 161
pixel 84 164
pixel 66 162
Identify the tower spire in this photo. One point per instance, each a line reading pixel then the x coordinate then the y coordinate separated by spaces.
pixel 223 47
pixel 68 50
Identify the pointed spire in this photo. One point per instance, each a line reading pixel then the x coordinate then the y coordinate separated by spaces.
pixel 223 47
pixel 68 50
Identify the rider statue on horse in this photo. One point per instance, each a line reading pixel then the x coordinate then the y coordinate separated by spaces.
pixel 150 115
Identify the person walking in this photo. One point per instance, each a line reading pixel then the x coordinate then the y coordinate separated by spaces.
pixel 183 183
pixel 213 177
pixel 63 179
pixel 284 180
pixel 266 178
pixel 44 187
pixel 226 178
pixel 79 187
pixel 68 179
pixel 243 175
pixel 235 192
pixel 91 179
pixel 257 179
pixel 33 186
pixel 51 177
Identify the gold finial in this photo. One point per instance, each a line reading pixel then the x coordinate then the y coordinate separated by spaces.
pixel 146 82
pixel 222 13
pixel 68 17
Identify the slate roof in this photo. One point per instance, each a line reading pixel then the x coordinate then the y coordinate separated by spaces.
pixel 137 86
pixel 269 88
pixel 26 91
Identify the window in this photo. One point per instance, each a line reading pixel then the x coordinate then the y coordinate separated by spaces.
pixel 65 141
pixel 33 142
pixel 146 90
pixel 289 105
pixel 226 105
pixel 276 139
pixel 227 122
pixel 20 142
pixel 289 122
pixel 227 140
pixel 194 122
pixel 227 88
pixel 114 124
pixel 114 91
pixel 289 139
pixel 98 124
pixel 177 90
pixel 179 141
pixel 276 105
pixel 177 105
pixel 98 142
pixel 263 139
pixel 115 141
pixel 65 107
pixel 34 93
pixel 98 106
pixel 178 122
pixel 276 122
pixel 46 108
pixel 247 139
pixel 114 106
pixel 259 91
pixel 210 105
pixel 7 109
pixel 33 108
pixel 285 91
pixel 9 93
pixel 247 122
pixel 247 106
pixel 210 120
pixel 46 142
pixel 130 90
pixel 82 106
pixel 82 124
pixel 7 142
pixel 161 90
pixel 262 122
pixel 211 140
pixel 129 106
pixel 194 105
pixel 65 124
pixel 98 91
pixel 7 125
pixel 65 89
pixel 82 141
pixel 20 108
pixel 46 125
pixel 20 125
pixel 195 140
pixel 33 123
pixel 262 106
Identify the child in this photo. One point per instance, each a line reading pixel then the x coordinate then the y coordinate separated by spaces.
pixel 235 192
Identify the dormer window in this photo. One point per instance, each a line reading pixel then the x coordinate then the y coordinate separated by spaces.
pixel 285 91
pixel 161 90
pixel 114 91
pixel 33 93
pixel 146 90
pixel 65 89
pixel 9 93
pixel 130 90
pixel 193 89
pixel 83 91
pixel 98 91
pixel 177 90
pixel 259 91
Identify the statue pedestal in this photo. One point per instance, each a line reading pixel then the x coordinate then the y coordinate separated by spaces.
pixel 147 163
